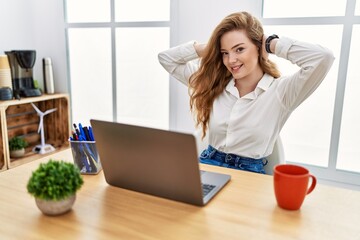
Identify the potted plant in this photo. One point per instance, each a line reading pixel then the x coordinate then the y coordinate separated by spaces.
pixel 54 185
pixel 17 146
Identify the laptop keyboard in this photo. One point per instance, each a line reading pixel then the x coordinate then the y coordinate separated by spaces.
pixel 207 188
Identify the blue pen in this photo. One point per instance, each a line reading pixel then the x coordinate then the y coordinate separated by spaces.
pixel 86 131
pixel 91 158
pixel 82 138
pixel 91 134
pixel 83 157
pixel 82 132
pixel 90 152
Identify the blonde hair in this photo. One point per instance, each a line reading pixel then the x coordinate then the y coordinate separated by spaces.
pixel 212 77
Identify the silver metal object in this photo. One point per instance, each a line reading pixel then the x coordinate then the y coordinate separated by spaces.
pixel 48 76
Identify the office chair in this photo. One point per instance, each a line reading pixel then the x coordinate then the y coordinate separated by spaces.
pixel 277 156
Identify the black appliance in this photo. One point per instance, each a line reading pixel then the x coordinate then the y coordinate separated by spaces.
pixel 21 65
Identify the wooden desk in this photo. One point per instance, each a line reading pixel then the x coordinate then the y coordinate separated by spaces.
pixel 244 209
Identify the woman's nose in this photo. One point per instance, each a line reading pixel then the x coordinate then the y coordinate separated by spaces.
pixel 232 57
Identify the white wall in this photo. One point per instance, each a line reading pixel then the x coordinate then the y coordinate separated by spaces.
pixel 195 20
pixel 36 25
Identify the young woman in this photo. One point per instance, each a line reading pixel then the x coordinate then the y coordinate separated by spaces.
pixel 237 94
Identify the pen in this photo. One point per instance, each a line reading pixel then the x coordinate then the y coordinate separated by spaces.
pixel 82 133
pixel 81 158
pixel 91 134
pixel 84 159
pixel 87 135
pixel 74 136
pixel 76 130
pixel 91 159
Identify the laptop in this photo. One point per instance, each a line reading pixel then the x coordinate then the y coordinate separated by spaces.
pixel 154 161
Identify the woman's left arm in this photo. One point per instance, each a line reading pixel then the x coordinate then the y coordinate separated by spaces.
pixel 314 61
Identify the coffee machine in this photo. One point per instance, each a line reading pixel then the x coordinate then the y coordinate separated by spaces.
pixel 21 65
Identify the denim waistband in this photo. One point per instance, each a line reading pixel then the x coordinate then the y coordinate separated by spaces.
pixel 215 157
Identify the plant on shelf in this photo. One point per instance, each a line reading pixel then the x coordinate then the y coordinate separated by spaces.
pixel 54 185
pixel 17 146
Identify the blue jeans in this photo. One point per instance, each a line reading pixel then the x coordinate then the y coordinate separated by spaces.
pixel 214 157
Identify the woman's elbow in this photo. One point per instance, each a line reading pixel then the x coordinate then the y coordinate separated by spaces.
pixel 328 58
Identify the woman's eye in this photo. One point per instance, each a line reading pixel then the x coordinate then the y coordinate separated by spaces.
pixel 239 49
pixel 224 53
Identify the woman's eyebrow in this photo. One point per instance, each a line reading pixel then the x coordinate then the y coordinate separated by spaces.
pixel 237 45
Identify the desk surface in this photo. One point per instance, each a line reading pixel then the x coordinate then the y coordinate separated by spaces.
pixel 245 209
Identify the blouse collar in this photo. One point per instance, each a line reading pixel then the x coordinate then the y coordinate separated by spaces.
pixel 261 87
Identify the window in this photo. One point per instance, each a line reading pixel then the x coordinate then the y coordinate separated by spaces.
pixel 82 11
pixel 113 47
pixel 323 132
pixel 142 87
pixel 90 71
pixel 129 11
pixel 304 8
pixel 349 144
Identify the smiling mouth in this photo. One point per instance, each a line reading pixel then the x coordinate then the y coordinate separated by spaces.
pixel 236 68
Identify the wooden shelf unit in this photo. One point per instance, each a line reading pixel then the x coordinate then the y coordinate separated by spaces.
pixel 19 118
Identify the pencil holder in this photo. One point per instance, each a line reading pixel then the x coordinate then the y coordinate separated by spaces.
pixel 86 156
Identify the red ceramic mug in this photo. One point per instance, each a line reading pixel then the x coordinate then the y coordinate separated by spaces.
pixel 291 185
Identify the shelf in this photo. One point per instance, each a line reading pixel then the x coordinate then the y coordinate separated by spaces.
pixel 19 118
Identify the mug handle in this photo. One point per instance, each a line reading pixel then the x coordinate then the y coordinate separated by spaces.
pixel 313 184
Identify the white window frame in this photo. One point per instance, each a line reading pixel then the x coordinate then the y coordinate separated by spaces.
pixel 113 25
pixel 331 175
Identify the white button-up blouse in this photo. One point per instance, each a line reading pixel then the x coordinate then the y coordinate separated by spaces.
pixel 249 126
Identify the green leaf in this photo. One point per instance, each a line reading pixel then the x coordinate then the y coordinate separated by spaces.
pixel 55 180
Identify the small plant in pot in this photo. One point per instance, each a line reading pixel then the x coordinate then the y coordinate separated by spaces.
pixel 17 146
pixel 54 185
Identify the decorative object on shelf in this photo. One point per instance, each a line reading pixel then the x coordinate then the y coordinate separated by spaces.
pixel 54 185
pixel 48 75
pixel 5 73
pixel 43 148
pixel 5 93
pixel 21 65
pixel 17 146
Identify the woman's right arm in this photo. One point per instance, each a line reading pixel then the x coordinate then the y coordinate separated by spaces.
pixel 182 61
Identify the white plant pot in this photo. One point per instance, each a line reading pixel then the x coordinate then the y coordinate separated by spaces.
pixel 17 153
pixel 49 207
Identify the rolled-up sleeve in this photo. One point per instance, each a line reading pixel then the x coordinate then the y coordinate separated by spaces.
pixel 180 61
